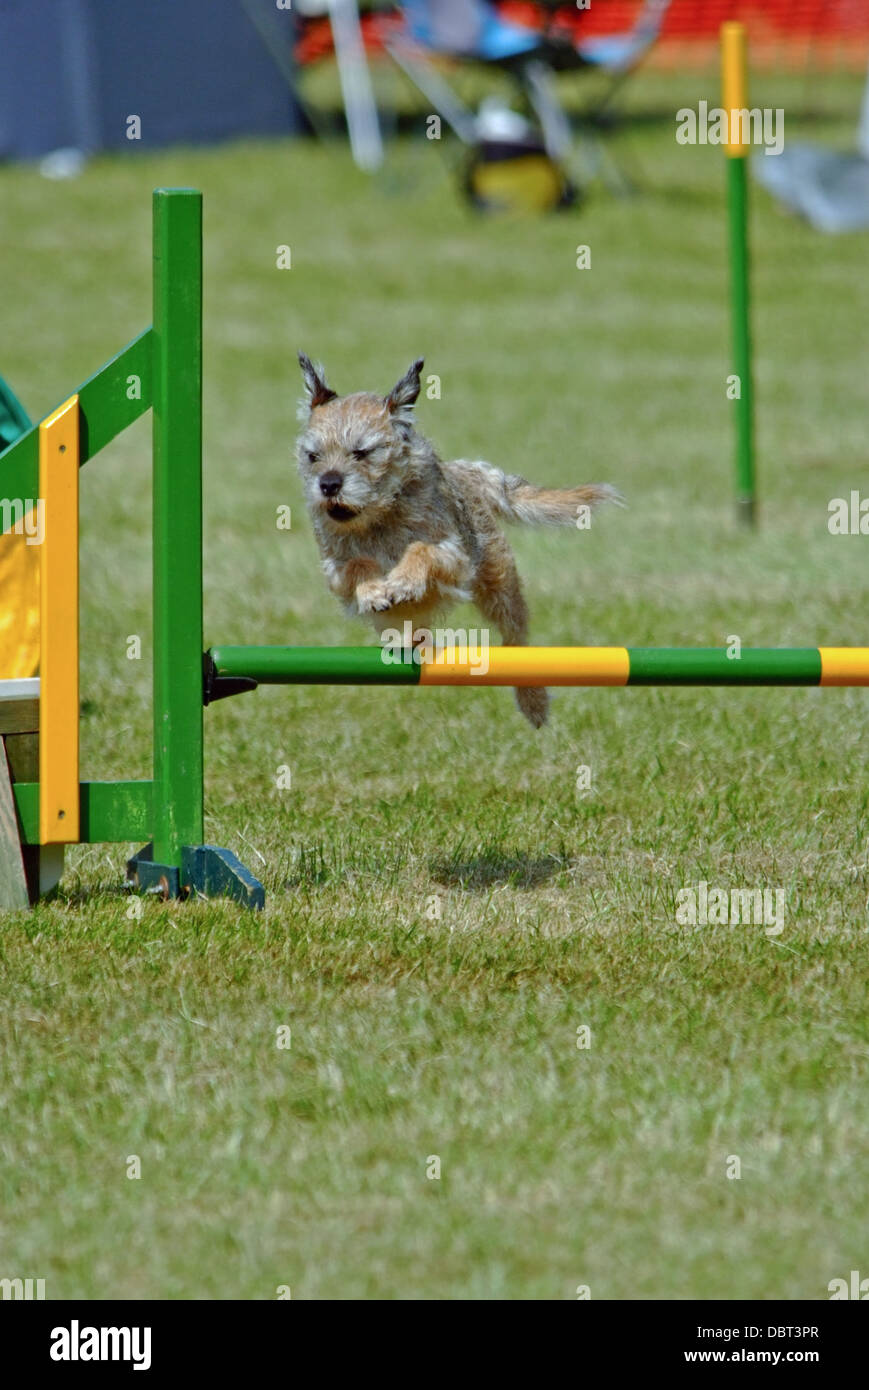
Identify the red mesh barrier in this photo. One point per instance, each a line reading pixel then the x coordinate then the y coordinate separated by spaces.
pixel 697 19
pixel 801 33
pixel 789 33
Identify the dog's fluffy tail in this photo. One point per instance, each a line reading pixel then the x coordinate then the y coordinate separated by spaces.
pixel 551 506
pixel 515 499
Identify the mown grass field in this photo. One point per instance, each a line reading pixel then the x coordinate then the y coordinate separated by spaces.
pixel 416 1035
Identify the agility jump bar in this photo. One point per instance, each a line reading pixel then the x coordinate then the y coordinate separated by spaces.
pixel 581 666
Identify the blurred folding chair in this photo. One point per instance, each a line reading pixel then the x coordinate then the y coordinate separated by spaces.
pixel 473 30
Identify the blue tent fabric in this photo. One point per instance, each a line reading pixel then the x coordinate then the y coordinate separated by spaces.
pixel 194 71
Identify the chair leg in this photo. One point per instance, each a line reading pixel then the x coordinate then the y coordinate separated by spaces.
pixel 547 108
pixel 14 896
pixel 428 80
pixel 537 79
pixel 599 116
pixel 600 108
pixel 614 175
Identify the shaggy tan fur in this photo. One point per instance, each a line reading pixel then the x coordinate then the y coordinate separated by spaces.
pixel 402 533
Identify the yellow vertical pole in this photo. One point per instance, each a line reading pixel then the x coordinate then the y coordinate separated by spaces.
pixel 58 665
pixel 734 86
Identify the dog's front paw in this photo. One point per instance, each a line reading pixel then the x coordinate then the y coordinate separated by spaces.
pixel 373 596
pixel 379 595
pixel 402 591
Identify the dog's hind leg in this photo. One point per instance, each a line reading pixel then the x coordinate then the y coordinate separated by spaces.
pixel 497 592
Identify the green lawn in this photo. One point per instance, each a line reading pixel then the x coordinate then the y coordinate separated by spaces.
pixel 455 1035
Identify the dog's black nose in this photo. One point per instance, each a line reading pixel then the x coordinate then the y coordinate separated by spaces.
pixel 330 483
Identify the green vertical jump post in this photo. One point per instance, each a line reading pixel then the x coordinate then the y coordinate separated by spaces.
pixel 177 522
pixel 176 863
pixel 734 101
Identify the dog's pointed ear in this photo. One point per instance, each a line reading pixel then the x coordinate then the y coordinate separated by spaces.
pixel 316 390
pixel 405 392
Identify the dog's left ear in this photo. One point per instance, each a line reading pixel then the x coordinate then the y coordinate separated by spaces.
pixel 316 390
pixel 405 392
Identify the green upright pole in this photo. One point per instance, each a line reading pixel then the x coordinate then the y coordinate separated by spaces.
pixel 739 280
pixel 177 522
pixel 734 100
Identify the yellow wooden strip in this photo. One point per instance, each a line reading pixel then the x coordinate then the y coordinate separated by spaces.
pixel 734 87
pixel 528 666
pixel 844 665
pixel 58 715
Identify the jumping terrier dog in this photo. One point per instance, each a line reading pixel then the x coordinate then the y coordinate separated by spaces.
pixel 403 534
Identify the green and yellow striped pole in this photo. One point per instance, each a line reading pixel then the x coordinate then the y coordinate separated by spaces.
pixel 587 666
pixel 734 100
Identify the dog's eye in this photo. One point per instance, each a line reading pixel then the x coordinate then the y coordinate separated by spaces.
pixel 361 453
pixel 312 455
